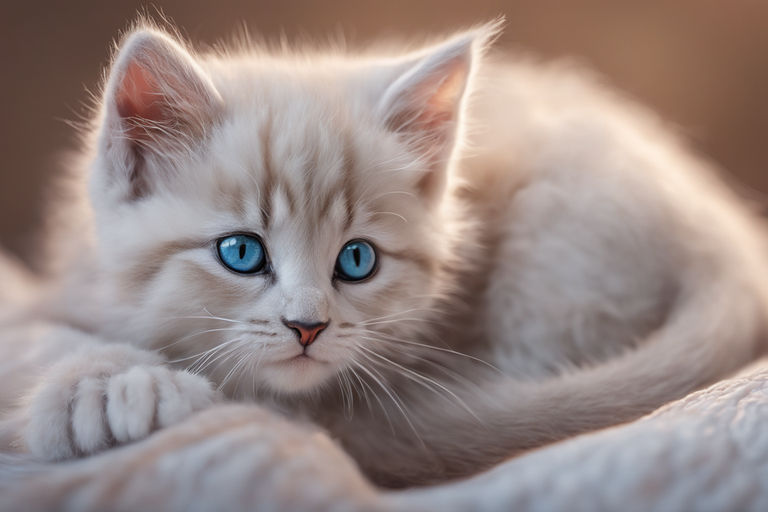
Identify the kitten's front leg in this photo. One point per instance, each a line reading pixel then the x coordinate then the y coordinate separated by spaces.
pixel 108 395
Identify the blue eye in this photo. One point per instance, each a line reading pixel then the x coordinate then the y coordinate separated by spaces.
pixel 242 253
pixel 356 261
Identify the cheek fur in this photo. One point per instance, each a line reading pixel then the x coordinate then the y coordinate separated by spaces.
pixel 398 294
pixel 195 285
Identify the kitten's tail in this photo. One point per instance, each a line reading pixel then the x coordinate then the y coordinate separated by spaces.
pixel 717 326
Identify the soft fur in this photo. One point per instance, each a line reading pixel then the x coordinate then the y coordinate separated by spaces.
pixel 551 259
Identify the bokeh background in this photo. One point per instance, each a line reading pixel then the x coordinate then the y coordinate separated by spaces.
pixel 703 64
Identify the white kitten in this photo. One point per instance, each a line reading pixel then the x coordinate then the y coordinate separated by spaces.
pixel 442 261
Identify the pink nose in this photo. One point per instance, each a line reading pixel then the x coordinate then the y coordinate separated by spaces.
pixel 307 332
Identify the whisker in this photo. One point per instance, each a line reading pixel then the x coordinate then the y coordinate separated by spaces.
pixel 247 362
pixel 375 396
pixel 215 347
pixel 395 399
pixel 203 317
pixel 223 360
pixel 397 320
pixel 346 395
pixel 205 359
pixel 233 370
pixel 350 388
pixel 403 312
pixel 387 337
pixel 207 316
pixel 363 391
pixel 262 350
pixel 197 334
pixel 424 380
pixel 341 389
pixel 456 376
pixel 394 192
pixel 391 213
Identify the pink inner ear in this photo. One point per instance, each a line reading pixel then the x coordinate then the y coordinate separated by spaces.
pixel 442 105
pixel 432 104
pixel 427 110
pixel 139 96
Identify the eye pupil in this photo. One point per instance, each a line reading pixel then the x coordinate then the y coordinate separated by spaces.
pixel 242 251
pixel 356 256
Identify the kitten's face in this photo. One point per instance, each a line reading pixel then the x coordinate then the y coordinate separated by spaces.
pixel 326 185
pixel 230 260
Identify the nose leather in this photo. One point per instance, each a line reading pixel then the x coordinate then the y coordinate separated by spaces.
pixel 306 331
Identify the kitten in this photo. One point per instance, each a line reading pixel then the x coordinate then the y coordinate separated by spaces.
pixel 443 257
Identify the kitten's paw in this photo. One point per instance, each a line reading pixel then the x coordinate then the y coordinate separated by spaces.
pixel 84 413
pixel 149 397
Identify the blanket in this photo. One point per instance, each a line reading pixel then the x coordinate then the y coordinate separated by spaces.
pixel 708 451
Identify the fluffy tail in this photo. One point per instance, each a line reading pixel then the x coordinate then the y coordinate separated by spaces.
pixel 716 327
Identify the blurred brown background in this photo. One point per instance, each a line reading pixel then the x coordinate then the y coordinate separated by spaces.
pixel 703 64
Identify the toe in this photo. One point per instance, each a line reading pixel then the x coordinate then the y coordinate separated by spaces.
pixel 131 404
pixel 89 429
pixel 180 395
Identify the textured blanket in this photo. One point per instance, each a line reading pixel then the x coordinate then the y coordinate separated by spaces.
pixel 708 451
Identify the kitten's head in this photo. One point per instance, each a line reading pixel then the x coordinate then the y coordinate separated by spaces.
pixel 275 220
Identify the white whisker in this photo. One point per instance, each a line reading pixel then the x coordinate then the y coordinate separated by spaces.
pixel 202 362
pixel 375 396
pixel 387 337
pixel 397 313
pixel 192 335
pixel 424 380
pixel 391 213
pixel 393 396
pixel 363 391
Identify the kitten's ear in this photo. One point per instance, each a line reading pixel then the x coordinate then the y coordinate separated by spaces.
pixel 158 103
pixel 425 101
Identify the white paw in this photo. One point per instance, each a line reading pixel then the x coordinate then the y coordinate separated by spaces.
pixel 86 406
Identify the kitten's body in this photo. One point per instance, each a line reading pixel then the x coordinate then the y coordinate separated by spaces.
pixel 577 248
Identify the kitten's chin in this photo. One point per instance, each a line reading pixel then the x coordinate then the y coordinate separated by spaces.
pixel 299 374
